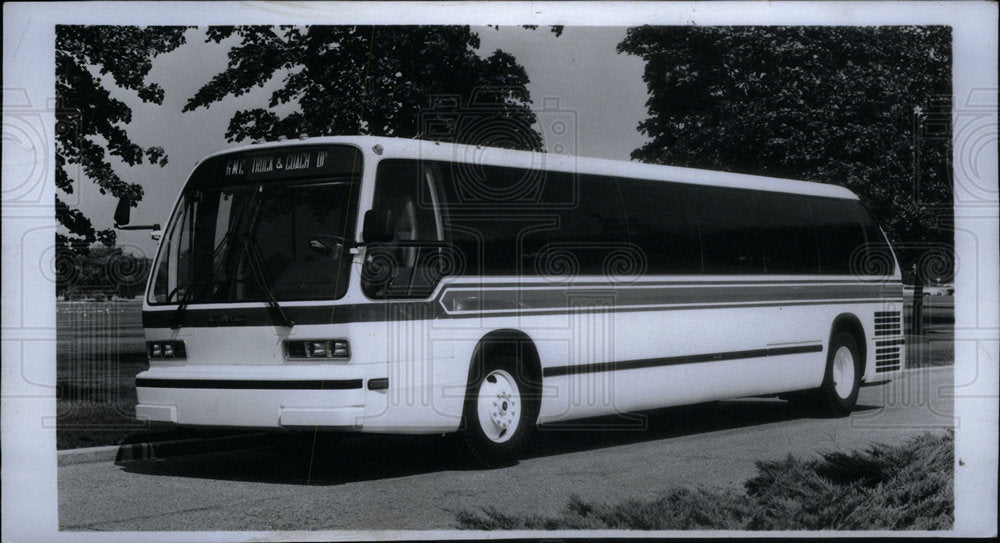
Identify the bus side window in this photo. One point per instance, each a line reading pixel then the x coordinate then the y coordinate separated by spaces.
pixel 730 231
pixel 662 226
pixel 789 236
pixel 838 224
pixel 403 267
pixel 487 213
pixel 584 229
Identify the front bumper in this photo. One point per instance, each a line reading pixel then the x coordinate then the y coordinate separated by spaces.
pixel 334 397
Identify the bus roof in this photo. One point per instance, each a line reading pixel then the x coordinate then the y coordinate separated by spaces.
pixel 494 156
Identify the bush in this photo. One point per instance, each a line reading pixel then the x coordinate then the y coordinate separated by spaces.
pixel 904 487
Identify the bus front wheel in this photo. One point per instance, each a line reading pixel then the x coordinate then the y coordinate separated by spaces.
pixel 499 413
pixel 842 381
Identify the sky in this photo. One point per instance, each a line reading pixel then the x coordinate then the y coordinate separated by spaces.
pixel 577 78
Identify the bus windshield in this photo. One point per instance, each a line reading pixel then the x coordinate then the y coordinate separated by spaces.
pixel 296 228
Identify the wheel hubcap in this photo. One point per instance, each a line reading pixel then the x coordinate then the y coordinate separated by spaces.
pixel 498 406
pixel 843 372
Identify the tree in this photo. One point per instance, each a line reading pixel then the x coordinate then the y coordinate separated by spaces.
pixel 90 122
pixel 378 80
pixel 103 272
pixel 863 107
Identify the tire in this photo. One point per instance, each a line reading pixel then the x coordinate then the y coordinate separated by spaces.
pixel 838 394
pixel 500 412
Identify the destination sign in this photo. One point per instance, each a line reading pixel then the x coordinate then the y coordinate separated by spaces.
pixel 264 164
pixel 335 160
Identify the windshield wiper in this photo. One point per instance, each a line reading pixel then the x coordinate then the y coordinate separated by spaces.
pixel 189 287
pixel 185 299
pixel 253 258
pixel 189 295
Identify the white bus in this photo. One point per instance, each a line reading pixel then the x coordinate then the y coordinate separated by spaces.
pixel 367 284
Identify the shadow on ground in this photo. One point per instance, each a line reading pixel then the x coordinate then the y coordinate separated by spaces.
pixel 371 457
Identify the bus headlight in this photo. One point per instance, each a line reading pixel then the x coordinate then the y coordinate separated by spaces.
pixel 311 349
pixel 166 350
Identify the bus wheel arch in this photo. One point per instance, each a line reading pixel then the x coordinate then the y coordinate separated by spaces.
pixel 849 322
pixel 504 364
pixel 844 368
pixel 513 343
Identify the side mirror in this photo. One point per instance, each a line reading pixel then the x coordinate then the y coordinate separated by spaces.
pixel 377 226
pixel 123 212
pixel 328 246
pixel 123 215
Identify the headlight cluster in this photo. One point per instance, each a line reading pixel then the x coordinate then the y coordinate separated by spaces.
pixel 166 350
pixel 317 349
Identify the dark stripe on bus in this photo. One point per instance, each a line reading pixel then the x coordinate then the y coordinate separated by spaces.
pixel 556 371
pixel 458 299
pixel 406 311
pixel 345 384
pixel 464 300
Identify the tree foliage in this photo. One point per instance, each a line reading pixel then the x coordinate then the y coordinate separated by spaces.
pixel 373 80
pixel 863 107
pixel 101 272
pixel 90 122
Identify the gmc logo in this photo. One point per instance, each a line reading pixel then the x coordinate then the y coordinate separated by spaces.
pixel 226 318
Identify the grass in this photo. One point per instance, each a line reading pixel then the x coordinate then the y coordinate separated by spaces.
pixel 92 424
pixel 935 348
pixel 99 350
pixel 904 487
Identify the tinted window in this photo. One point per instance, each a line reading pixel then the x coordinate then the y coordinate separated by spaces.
pixel 488 245
pixel 493 188
pixel 662 225
pixel 838 228
pixel 584 237
pixel 488 210
pixel 788 234
pixel 515 221
pixel 730 234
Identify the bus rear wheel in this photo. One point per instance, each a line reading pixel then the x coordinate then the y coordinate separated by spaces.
pixel 838 394
pixel 500 413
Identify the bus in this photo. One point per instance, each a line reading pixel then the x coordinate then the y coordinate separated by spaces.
pixel 384 285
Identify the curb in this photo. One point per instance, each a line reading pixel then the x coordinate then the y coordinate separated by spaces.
pixel 87 455
pixel 134 452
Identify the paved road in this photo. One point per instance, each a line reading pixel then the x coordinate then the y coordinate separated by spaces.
pixel 420 482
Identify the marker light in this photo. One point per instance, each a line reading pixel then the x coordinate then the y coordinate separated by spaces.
pixel 322 349
pixel 317 349
pixel 166 350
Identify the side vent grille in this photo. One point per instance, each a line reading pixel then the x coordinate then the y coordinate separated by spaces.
pixel 888 340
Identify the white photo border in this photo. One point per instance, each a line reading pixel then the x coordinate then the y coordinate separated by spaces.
pixel 29 475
